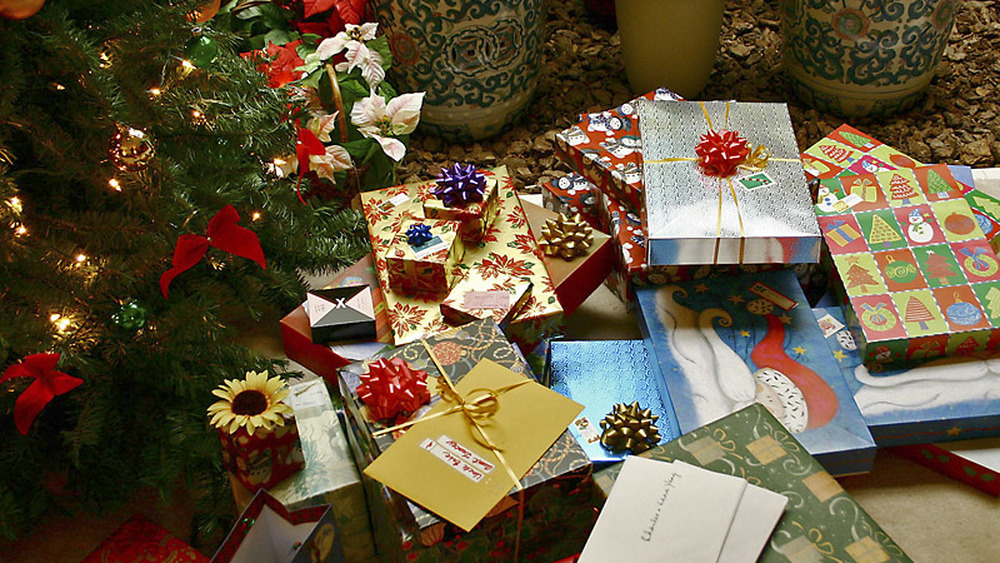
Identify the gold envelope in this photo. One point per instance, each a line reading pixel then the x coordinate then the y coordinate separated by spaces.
pixel 440 465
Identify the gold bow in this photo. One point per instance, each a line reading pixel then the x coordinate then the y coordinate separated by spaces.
pixel 629 428
pixel 566 237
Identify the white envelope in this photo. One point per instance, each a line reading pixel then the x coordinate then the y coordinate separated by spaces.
pixel 758 514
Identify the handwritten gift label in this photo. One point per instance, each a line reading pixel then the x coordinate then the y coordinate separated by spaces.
pixel 478 300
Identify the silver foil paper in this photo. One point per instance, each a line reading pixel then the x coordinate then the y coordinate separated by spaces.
pixel 685 224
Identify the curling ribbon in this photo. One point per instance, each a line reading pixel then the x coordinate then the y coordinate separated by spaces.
pixel 223 233
pixel 478 405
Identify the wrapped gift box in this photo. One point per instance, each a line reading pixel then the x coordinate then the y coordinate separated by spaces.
pixel 572 195
pixel 945 399
pixel 267 532
pixel 558 484
pixel 329 476
pixel 753 445
pixel 139 539
pixel 341 313
pixel 917 279
pixel 476 298
pixel 605 149
pixel 758 214
pixel 600 374
pixel 719 346
pixel 428 267
pixel 324 360
pixel 507 248
pixel 974 463
pixel 474 218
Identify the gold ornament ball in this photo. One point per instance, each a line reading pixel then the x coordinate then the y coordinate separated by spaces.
pixel 131 149
pixel 20 9
pixel 205 12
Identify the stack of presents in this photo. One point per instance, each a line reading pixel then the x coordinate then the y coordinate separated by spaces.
pixel 797 311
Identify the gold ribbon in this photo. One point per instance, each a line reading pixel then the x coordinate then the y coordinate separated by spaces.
pixel 566 237
pixel 478 405
pixel 756 161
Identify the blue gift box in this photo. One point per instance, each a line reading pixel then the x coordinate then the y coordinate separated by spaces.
pixel 600 374
pixel 719 345
pixel 953 398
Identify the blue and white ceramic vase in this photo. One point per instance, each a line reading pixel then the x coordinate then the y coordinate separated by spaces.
pixel 477 60
pixel 864 57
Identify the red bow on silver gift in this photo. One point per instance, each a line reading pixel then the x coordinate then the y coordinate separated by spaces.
pixel 48 383
pixel 721 152
pixel 223 233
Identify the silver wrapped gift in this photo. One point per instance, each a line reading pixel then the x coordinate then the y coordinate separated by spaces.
pixel 760 214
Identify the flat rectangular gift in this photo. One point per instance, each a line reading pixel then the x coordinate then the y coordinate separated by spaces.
pixel 605 148
pixel 822 522
pixel 601 374
pixel 918 280
pixel 507 249
pixel 745 206
pixel 560 480
pixel 477 298
pixel 944 399
pixel 324 360
pixel 722 345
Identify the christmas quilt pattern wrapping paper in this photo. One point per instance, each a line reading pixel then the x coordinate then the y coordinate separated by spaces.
pixel 760 212
pixel 600 374
pixel 918 280
pixel 945 399
pixel 822 522
pixel 605 148
pixel 722 345
pixel 507 248
pixel 565 463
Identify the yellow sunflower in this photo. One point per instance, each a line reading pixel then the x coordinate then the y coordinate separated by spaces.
pixel 254 402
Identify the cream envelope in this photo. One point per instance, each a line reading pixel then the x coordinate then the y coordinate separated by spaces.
pixel 660 511
pixel 758 514
pixel 439 463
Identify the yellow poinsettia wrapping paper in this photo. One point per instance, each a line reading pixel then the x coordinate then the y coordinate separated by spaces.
pixel 506 249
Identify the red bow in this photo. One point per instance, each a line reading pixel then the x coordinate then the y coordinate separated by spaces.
pixel 721 152
pixel 48 383
pixel 307 144
pixel 224 234
pixel 392 389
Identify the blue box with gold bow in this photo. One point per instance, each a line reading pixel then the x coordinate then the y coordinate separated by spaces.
pixel 724 185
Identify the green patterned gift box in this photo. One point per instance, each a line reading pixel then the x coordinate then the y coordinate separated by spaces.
pixel 822 522
pixel 559 494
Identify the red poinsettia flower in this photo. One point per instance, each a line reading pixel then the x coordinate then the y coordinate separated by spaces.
pixel 283 61
pixel 327 18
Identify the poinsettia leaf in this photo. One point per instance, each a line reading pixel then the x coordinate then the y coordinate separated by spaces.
pixel 352 89
pixel 381 45
pixel 313 7
pixel 279 37
pixel 359 148
pixel 350 11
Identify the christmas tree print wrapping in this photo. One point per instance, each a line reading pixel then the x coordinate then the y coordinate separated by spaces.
pixel 822 522
pixel 605 148
pixel 944 399
pixel 507 248
pixel 917 278
pixel 722 345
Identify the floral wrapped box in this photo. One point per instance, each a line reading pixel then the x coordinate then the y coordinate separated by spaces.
pixel 918 280
pixel 423 256
pixel 507 248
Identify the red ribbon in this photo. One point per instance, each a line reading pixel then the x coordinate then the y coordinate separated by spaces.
pixel 307 144
pixel 224 234
pixel 391 388
pixel 721 152
pixel 48 383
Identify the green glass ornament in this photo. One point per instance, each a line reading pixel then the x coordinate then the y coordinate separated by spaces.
pixel 132 316
pixel 201 50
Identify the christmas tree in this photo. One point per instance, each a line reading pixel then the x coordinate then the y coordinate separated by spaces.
pixel 938 267
pixel 917 312
pixel 937 185
pixel 857 140
pixel 837 154
pixel 858 276
pixel 993 302
pixel 900 189
pixel 882 233
pixel 134 141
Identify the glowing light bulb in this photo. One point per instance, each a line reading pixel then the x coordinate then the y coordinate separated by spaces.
pixel 154 91
pixel 196 114
pixel 15 204
pixel 187 65
pixel 279 161
pixel 115 185
pixel 58 86
pixel 62 324
pixel 55 317
pixel 255 216
pixel 81 258
pixel 20 230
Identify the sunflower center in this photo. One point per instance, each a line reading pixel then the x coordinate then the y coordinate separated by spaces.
pixel 249 402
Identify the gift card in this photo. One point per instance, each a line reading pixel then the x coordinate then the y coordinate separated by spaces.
pixel 444 465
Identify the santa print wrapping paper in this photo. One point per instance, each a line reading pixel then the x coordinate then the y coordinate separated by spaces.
pixel 605 149
pixel 721 345
pixel 918 280
pixel 945 399
pixel 759 212
pixel 559 483
pixel 507 248
pixel 822 522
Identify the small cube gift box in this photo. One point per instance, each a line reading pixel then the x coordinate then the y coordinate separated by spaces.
pixel 341 313
pixel 723 184
pixel 423 256
pixel 467 196
pixel 476 298
pixel 260 442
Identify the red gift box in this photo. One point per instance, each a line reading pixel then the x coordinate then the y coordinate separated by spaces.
pixel 139 539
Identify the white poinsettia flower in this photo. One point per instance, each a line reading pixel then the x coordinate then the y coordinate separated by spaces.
pixel 322 125
pixel 336 159
pixel 384 122
pixel 370 63
pixel 352 34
